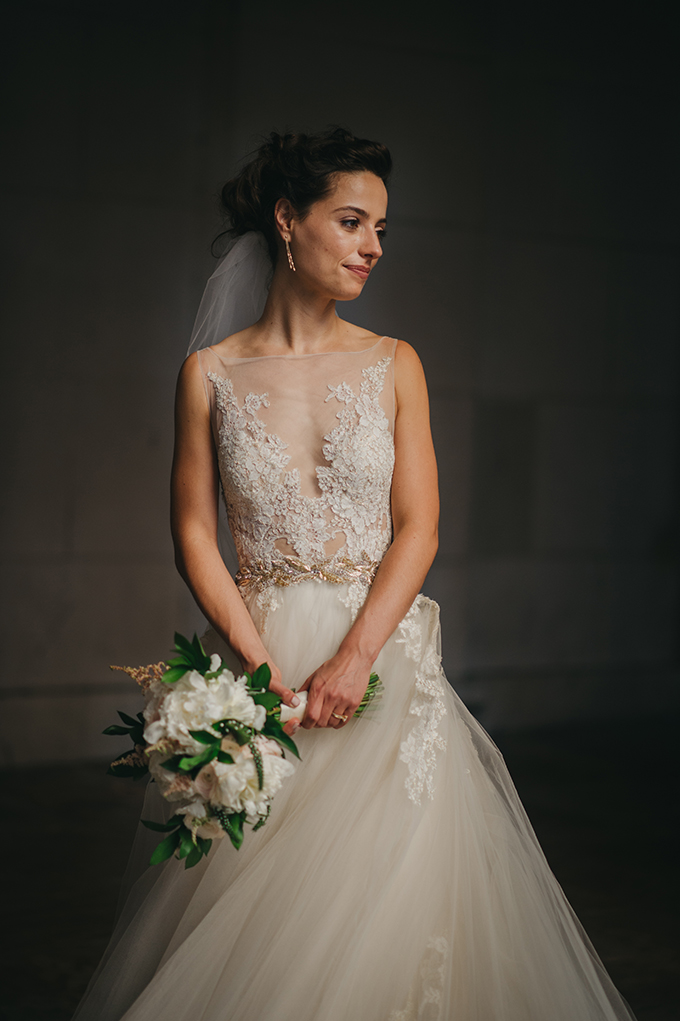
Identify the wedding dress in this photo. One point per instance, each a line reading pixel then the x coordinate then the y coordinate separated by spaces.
pixel 398 877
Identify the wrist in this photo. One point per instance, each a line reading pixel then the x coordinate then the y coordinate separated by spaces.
pixel 357 652
pixel 251 655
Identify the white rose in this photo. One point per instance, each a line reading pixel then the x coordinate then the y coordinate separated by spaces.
pixel 207 782
pixel 193 703
pixel 237 785
pixel 210 830
pixel 197 812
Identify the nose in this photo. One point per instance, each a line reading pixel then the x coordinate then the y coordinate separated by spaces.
pixel 371 247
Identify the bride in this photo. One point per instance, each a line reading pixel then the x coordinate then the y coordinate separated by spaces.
pixel 398 877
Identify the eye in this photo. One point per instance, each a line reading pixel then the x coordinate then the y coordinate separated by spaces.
pixel 351 224
pixel 382 233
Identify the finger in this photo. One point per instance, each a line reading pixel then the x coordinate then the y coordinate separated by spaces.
pixel 287 696
pixel 314 704
pixel 291 727
pixel 327 719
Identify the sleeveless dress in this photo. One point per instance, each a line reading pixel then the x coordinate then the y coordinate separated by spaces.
pixel 398 877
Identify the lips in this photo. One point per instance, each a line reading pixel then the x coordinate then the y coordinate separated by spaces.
pixel 361 271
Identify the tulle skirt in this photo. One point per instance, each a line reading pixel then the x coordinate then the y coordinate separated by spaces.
pixel 397 879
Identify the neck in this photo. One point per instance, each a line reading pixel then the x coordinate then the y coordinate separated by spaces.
pixel 296 318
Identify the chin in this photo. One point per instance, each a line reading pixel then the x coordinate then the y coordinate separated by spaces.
pixel 349 293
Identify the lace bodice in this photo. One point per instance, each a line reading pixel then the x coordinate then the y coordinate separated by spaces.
pixel 306 453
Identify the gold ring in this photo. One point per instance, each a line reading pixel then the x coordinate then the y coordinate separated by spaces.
pixel 339 716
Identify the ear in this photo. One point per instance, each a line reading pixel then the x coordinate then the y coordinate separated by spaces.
pixel 283 217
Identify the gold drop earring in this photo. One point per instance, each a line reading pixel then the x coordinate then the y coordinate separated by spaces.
pixel 290 257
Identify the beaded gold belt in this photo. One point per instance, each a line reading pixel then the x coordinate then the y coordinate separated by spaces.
pixel 292 571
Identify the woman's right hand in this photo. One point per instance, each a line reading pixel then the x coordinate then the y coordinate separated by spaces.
pixel 276 685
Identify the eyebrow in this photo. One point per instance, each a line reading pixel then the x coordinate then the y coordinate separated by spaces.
pixel 361 212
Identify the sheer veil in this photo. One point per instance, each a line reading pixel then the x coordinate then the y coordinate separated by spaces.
pixel 235 294
pixel 234 298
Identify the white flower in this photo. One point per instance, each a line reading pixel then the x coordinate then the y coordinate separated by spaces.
pixel 236 786
pixel 194 703
pixel 173 786
pixel 198 819
pixel 207 783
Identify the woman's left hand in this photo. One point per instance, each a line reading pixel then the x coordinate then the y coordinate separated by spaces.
pixel 337 687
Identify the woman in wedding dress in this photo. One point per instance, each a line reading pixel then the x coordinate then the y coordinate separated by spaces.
pixel 398 877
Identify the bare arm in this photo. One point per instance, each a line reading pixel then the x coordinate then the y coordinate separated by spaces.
pixel 194 502
pixel 339 684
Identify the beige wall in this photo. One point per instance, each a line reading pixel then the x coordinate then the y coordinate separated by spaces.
pixel 532 261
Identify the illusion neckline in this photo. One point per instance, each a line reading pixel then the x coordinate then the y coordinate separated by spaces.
pixel 310 354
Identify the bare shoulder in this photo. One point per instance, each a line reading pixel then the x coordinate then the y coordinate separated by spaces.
pixel 356 338
pixel 406 359
pixel 190 374
pixel 191 398
pixel 243 344
pixel 409 377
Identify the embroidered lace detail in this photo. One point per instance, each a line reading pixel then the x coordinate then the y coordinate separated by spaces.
pixel 355 597
pixel 419 750
pixel 263 497
pixel 425 1000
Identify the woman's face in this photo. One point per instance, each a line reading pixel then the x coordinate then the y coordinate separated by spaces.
pixel 337 244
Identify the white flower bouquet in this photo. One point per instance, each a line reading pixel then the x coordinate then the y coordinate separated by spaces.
pixel 212 742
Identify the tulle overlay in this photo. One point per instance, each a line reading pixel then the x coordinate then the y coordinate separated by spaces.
pixel 397 879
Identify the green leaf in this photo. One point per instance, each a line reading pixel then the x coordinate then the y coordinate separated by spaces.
pixel 175 673
pixel 266 698
pixel 183 645
pixel 261 677
pixel 273 729
pixel 233 826
pixel 225 757
pixel 194 856
pixel 162 827
pixel 173 764
pixel 181 660
pixel 204 736
pixel 239 731
pixel 165 849
pixel 204 844
pixel 128 719
pixel 200 656
pixel 115 729
pixel 186 844
pixel 186 764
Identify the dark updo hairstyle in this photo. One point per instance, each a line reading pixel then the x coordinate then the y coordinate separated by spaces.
pixel 300 168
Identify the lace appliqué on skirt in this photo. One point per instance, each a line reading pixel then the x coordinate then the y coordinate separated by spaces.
pixel 425 1002
pixel 419 750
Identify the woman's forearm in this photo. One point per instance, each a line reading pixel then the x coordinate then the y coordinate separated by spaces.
pixel 202 568
pixel 397 582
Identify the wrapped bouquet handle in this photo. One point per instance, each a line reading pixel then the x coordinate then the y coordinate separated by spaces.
pixel 373 691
